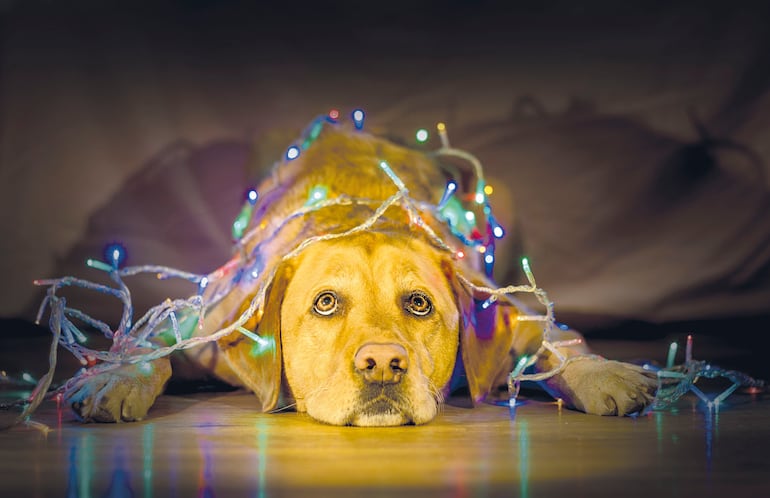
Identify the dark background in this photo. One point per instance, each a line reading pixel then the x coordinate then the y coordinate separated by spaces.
pixel 628 142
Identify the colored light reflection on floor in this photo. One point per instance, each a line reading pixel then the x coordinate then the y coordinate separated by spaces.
pixel 80 472
pixel 207 453
pixel 710 424
pixel 148 441
pixel 523 459
pixel 120 480
pixel 261 430
pixel 85 464
pixel 206 473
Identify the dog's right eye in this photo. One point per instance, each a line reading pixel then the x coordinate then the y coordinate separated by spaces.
pixel 325 303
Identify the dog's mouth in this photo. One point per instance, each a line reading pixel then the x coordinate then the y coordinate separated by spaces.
pixel 384 408
pixel 380 405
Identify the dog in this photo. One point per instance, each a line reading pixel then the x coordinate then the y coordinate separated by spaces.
pixel 375 320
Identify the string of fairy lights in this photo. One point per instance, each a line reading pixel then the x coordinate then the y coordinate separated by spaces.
pixel 173 321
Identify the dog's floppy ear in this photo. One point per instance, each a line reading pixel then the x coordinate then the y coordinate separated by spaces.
pixel 486 335
pixel 258 363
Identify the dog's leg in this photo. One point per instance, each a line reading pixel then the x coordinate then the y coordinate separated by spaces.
pixel 127 392
pixel 589 383
pixel 120 395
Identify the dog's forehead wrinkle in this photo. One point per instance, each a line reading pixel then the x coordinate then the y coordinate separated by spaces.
pixel 408 269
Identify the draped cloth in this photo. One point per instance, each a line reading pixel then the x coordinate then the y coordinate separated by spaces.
pixel 628 146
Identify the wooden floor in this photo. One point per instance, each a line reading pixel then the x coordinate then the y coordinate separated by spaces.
pixel 215 445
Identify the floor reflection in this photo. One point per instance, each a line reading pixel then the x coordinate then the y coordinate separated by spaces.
pixel 120 482
pixel 524 457
pixel 262 430
pixel 206 472
pixel 148 443
pixel 466 453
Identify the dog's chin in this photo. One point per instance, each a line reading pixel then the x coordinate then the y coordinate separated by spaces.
pixel 373 407
pixel 380 412
pixel 388 419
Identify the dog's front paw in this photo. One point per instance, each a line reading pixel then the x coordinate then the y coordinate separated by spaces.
pixel 605 387
pixel 121 395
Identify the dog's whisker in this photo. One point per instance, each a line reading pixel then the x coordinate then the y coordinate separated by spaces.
pixel 283 408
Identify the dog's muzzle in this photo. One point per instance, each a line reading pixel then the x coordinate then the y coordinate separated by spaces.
pixel 381 364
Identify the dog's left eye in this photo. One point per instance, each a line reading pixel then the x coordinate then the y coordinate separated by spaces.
pixel 418 304
pixel 325 303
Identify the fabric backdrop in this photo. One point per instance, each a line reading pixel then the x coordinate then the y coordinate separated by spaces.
pixel 628 145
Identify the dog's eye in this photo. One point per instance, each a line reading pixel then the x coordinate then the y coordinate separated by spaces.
pixel 418 304
pixel 326 303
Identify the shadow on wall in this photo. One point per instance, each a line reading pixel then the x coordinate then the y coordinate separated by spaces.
pixel 621 221
pixel 176 211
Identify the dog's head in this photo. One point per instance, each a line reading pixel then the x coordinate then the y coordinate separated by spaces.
pixel 369 328
pixel 366 331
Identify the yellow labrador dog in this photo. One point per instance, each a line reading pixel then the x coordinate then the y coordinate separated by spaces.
pixel 369 328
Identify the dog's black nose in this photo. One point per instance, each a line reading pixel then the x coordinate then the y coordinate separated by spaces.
pixel 381 363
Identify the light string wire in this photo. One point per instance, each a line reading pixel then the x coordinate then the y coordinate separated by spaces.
pixel 676 381
pixel 131 341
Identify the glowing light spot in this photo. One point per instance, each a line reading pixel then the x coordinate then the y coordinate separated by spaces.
pixel 421 135
pixel 94 263
pixel 27 377
pixel 238 227
pixel 358 118
pixel 520 366
pixel 315 130
pixel 292 153
pixel 460 254
pixel 334 114
pixel 480 198
pixel 486 304
pixel 244 216
pixel 451 186
pixel 489 259
pixel 203 283
pixel 316 194
pixel 498 232
pixel 482 249
pixel 115 253
pixel 525 265
pixel 442 134
pixel 488 189
pixel 671 354
pixel 262 347
pixel 470 217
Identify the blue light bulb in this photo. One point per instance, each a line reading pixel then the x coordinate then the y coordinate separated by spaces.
pixel 115 254
pixel 358 118
pixel 292 153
